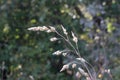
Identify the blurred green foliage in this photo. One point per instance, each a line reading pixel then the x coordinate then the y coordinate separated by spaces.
pixel 25 55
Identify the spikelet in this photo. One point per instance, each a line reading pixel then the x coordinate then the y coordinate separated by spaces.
pixel 57 52
pixel 53 39
pixel 74 65
pixel 64 30
pixel 75 39
pixel 52 29
pixel 81 59
pixel 64 54
pixel 88 78
pixel 39 28
pixel 82 72
pixel 64 67
pixel 78 75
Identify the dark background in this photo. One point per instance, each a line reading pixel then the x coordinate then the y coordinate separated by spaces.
pixel 26 55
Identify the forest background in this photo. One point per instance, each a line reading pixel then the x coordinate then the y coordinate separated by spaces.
pixel 27 55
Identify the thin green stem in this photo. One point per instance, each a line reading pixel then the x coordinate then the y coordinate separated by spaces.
pixel 78 49
pixel 77 52
pixel 88 72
